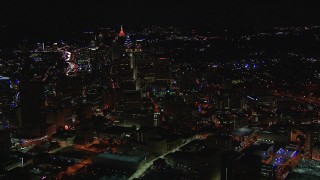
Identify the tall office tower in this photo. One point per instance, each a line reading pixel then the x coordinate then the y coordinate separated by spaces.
pixel 315 134
pixel 69 89
pixel 316 151
pixel 5 91
pixel 100 39
pixel 121 38
pixel 132 61
pixel 33 118
pixel 115 51
pixel 5 100
pixel 40 46
pixel 128 44
pixel 127 78
pixel 162 69
pixel 121 33
pixel 118 46
pixel 118 49
pixel 5 143
pixel 125 74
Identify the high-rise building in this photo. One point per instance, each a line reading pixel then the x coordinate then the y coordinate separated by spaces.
pixel 316 151
pixel 5 91
pixel 101 39
pixel 40 46
pixel 315 133
pixel 33 118
pixel 121 33
pixel 128 44
pixel 5 143
pixel 6 100
pixel 118 45
pixel 162 69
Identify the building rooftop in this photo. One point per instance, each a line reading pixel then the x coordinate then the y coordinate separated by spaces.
pixel 4 78
pixel 242 132
pixel 117 130
pixel 306 169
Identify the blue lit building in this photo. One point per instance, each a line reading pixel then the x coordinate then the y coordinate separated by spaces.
pixel 5 99
pixel 5 91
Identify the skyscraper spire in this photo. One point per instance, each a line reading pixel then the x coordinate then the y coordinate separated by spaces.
pixel 121 33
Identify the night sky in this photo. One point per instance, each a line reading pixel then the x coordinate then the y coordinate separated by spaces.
pixel 78 13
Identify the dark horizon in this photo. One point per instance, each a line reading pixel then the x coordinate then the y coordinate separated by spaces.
pixel 216 13
pixel 58 19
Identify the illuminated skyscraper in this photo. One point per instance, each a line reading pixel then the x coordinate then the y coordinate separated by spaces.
pixel 127 44
pixel 100 39
pixel 40 46
pixel 5 91
pixel 5 99
pixel 118 45
pixel 121 33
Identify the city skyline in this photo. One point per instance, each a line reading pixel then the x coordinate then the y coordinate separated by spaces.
pixel 158 90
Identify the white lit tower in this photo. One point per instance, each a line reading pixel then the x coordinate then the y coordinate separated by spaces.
pixel 100 39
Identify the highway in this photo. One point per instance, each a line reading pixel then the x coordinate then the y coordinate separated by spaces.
pixel 146 166
pixel 299 98
pixel 72 169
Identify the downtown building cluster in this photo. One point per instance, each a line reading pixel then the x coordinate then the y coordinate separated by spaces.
pixel 160 103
